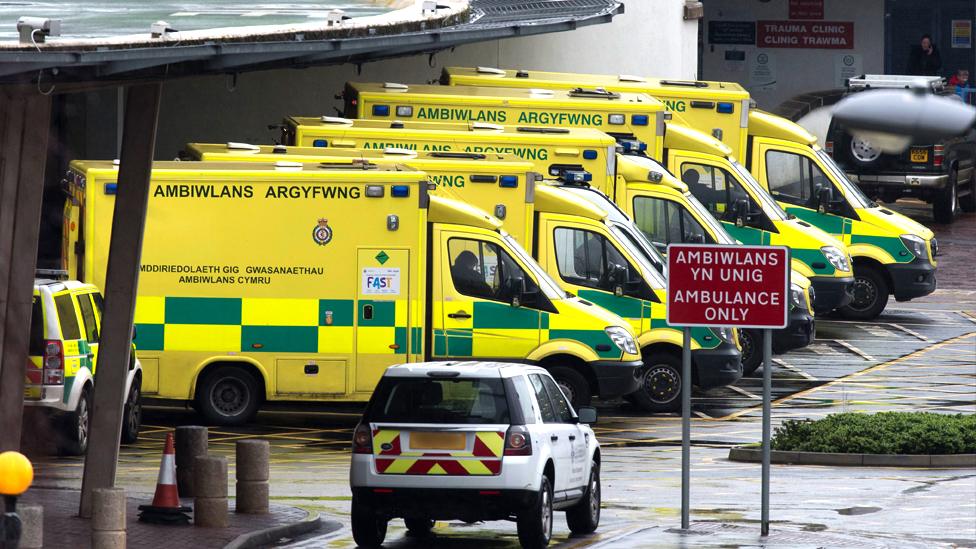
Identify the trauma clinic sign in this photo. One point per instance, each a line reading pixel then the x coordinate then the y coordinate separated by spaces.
pixel 836 35
pixel 742 286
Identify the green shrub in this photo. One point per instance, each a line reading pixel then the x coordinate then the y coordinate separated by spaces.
pixel 881 433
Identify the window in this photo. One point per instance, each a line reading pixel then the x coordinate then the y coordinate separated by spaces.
pixel 564 412
pixel 482 269
pixel 588 259
pixel 88 317
pixel 794 179
pixel 99 303
pixel 525 402
pixel 37 328
pixel 423 400
pixel 67 317
pixel 665 222
pixel 715 189
pixel 545 406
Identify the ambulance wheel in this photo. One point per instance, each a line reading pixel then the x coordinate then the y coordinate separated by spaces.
pixel 573 385
pixel 77 426
pixel 228 395
pixel 946 203
pixel 418 527
pixel 368 528
pixel 751 357
pixel 535 522
pixel 660 384
pixel 132 413
pixel 870 294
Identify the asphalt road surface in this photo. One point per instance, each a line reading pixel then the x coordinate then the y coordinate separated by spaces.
pixel 917 356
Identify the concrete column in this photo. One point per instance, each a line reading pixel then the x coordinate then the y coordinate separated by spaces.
pixel 210 484
pixel 191 442
pixel 32 526
pixel 108 518
pixel 24 130
pixel 252 476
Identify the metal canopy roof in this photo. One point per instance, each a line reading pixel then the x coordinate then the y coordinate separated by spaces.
pixel 489 19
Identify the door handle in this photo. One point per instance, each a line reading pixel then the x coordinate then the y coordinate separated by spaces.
pixel 459 314
pixel 572 437
pixel 554 438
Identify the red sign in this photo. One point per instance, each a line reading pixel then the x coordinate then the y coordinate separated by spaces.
pixel 743 286
pixel 806 9
pixel 836 35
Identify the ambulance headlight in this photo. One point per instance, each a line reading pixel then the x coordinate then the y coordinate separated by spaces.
pixel 404 110
pixel 622 339
pixel 617 119
pixel 915 244
pixel 836 257
pixel 725 334
pixel 796 297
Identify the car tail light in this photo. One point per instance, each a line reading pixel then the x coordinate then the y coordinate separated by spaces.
pixel 362 440
pixel 938 154
pixel 829 147
pixel 53 365
pixel 517 441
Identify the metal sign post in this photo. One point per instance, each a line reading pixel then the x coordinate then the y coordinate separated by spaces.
pixel 685 427
pixel 726 286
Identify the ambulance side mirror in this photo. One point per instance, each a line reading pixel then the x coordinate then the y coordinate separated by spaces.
pixel 823 198
pixel 740 210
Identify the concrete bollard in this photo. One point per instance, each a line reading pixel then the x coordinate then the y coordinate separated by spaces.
pixel 191 442
pixel 210 486
pixel 32 526
pixel 252 476
pixel 108 518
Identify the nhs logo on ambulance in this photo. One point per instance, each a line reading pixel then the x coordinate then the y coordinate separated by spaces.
pixel 381 281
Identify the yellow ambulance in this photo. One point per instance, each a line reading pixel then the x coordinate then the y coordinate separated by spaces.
pixel 588 246
pixel 300 282
pixel 635 120
pixel 892 254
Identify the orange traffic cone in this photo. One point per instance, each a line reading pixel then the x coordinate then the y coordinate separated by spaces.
pixel 165 507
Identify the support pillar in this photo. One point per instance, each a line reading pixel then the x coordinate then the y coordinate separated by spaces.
pixel 121 282
pixel 24 130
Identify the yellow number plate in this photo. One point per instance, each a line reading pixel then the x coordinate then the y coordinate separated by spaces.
pixel 437 441
pixel 920 155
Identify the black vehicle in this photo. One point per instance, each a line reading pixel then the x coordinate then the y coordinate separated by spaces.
pixel 942 174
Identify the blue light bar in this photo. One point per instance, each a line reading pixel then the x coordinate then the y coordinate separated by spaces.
pixel 111 188
pixel 320 143
pixel 725 108
pixel 509 181
pixel 576 176
pixel 639 119
pixel 381 110
pixel 633 145
pixel 589 154
pixel 400 191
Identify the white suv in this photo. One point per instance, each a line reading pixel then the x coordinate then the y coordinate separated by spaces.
pixel 473 441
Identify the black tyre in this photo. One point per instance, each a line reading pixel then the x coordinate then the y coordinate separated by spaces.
pixel 573 385
pixel 946 203
pixel 584 517
pixel 535 523
pixel 871 291
pixel 368 528
pixel 132 413
pixel 968 202
pixel 418 527
pixel 660 384
pixel 76 429
pixel 751 356
pixel 228 395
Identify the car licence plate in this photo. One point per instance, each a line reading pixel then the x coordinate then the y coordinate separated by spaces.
pixel 437 441
pixel 920 155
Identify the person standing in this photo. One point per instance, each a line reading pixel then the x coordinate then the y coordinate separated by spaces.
pixel 924 59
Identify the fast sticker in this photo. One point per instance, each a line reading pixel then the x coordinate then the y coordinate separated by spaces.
pixel 381 281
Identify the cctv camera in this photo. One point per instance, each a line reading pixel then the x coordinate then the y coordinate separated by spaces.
pixel 34 29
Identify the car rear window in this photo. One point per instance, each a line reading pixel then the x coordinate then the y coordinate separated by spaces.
pixel 37 328
pixel 67 317
pixel 424 400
